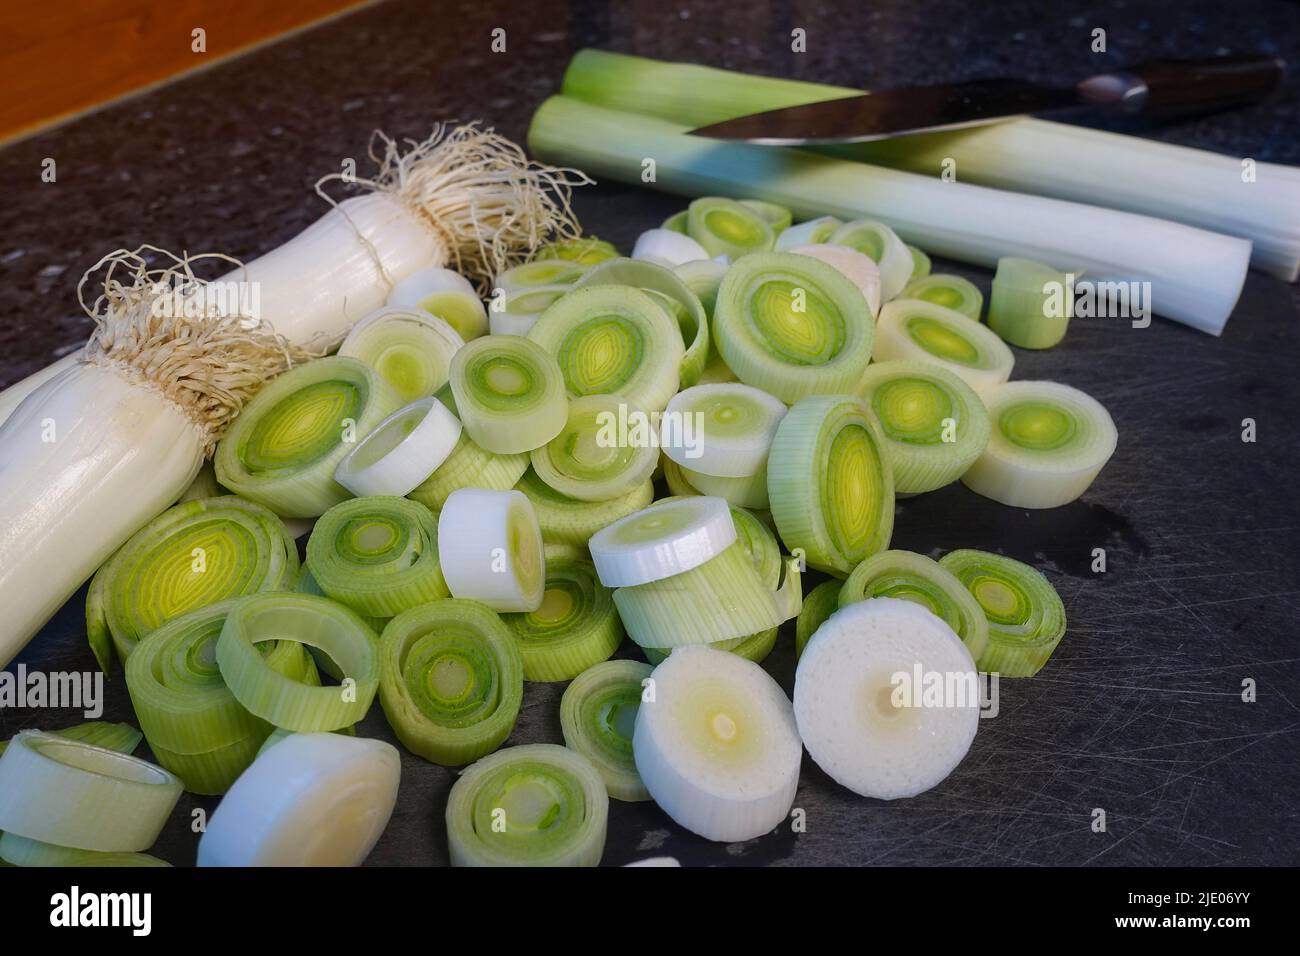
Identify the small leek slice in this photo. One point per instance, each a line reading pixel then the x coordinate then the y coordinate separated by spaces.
pixel 598 715
pixel 585 250
pixel 452 680
pixel 951 292
pixel 566 520
pixel 509 393
pixel 916 578
pixel 887 698
pixel 192 555
pixel 592 458
pixel 616 340
pixel 402 452
pixel 73 794
pixel 284 447
pixel 336 631
pixel 1025 615
pixel 20 851
pixel 575 627
pixel 748 492
pixel 378 555
pixel 490 546
pixel 410 349
pixel 717 748
pixel 311 800
pixel 445 294
pixel 920 263
pixel 934 424
pixel 809 233
pixel 1032 303
pixel 721 430
pixel 662 541
pixel 668 247
pixel 909 329
pixel 540 273
pixel 99 733
pixel 884 248
pixel 830 483
pixel 1049 442
pixel 703 277
pixel 468 466
pixel 536 805
pixel 818 605
pixel 792 326
pixel 516 314
pixel 778 217
pixel 857 267
pixel 725 227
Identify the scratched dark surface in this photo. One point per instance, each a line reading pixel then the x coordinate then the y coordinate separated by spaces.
pixel 1140 711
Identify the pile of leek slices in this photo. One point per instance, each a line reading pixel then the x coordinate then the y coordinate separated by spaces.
pixel 688 448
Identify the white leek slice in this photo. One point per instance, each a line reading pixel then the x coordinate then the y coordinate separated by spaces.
pixel 882 245
pixel 74 794
pixel 667 246
pixel 717 747
pixel 951 292
pixel 858 267
pixel 402 451
pixel 813 232
pixel 662 541
pixel 1048 444
pixel 411 350
pixel 721 430
pixel 887 698
pixel 445 294
pixel 509 393
pixel 911 329
pixel 490 547
pixel 598 716
pixel 311 800
pixel 590 459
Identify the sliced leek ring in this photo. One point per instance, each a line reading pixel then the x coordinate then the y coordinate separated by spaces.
pixel 20 851
pixel 818 605
pixel 585 250
pixel 522 309
pixel 1026 618
pixel 809 233
pixel 951 292
pixel 749 492
pixel 679 485
pixel 703 277
pixel 778 217
pixel 537 805
pixel 921 265
pixel 755 647
pixel 676 222
pixel 934 424
pixel 410 349
pixel 792 326
pixel 1032 303
pixel 885 249
pixel 468 466
pixel 830 483
pixel 284 447
pixel 99 733
pixel 566 520
pixel 662 541
pixel 540 273
pixel 490 546
pixel 717 748
pixel 728 228
pixel 446 294
pixel 1049 442
pixel 858 267
pixel 668 247
pixel 591 459
pixel 736 424
pixel 922 331
pixel 402 452
pixel 452 681
pixel 598 715
pixel 509 393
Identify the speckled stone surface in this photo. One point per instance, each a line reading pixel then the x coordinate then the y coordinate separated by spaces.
pixel 1140 711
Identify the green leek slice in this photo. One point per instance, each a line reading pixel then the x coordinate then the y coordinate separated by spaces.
pixel 778 217
pixel 725 227
pixel 818 605
pixel 378 555
pixel 951 292
pixel 589 459
pixel 566 520
pixel 597 716
pixel 284 447
pixel 911 329
pixel 192 555
pixel 792 326
pixel 677 222
pixel 411 350
pixel 99 733
pixel 509 393
pixel 444 294
pixel 748 492
pixel 468 466
pixel 703 277
pixel 585 250
pixel 882 245
pixel 920 263
pixel 1032 303
pixel 755 647
pixel 1025 615
pixel 452 680
pixel 830 483
pixel 540 273
pixel 934 424
pixel 20 851
pixel 518 313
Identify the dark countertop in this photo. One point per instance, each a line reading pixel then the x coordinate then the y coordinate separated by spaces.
pixel 1140 711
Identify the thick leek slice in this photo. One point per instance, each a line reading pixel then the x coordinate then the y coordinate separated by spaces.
pixel 284 447
pixel 748 492
pixel 1025 615
pixel 20 851
pixel 887 698
pixel 921 265
pixel 830 483
pixel 792 326
pixel 858 267
pixel 718 749
pixel 818 604
pixel 99 733
pixel 922 331
pixel 411 350
pixel 725 227
pixel 378 555
pixel 1049 442
pixel 809 233
pixel 589 459
pixel 598 715
pixel 704 278
pixel 335 630
pixel 934 424
pixel 490 545
pixel 468 466
pixel 951 292
pixel 566 520
pixel 916 578
pixel 509 393
pixel 737 425
pixel 1032 303
pixel 662 541
pixel 882 245
pixel 192 555
pixel 537 805
pixel 668 246
pixel 576 625
pixel 74 794
pixel 521 311
pixel 311 800
pixel 613 339
pixel 452 680
pixel 403 450
pixel 446 295
pixel 778 217
pixel 678 298
pixel 585 250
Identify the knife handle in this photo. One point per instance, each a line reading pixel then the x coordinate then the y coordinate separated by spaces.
pixel 1167 87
